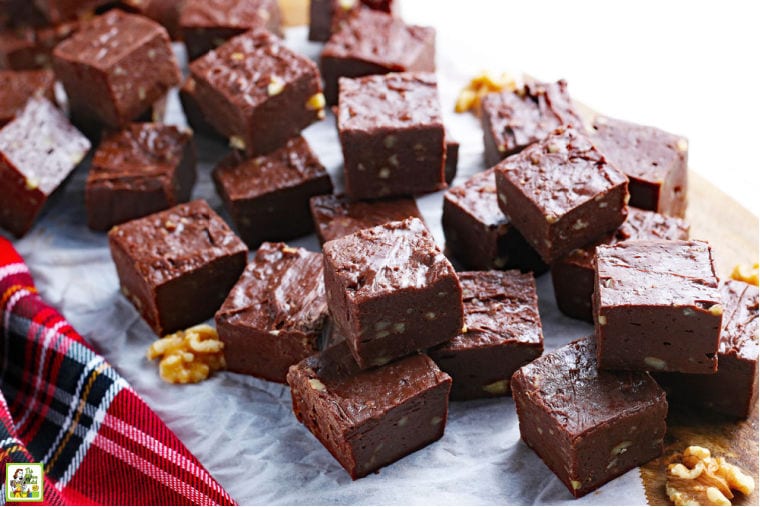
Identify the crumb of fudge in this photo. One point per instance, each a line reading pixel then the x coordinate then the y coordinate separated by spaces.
pixel 188 356
pixel 746 273
pixel 485 82
pixel 700 479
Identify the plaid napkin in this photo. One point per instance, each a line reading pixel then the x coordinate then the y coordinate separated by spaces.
pixel 63 405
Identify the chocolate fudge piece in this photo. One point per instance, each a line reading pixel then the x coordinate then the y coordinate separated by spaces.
pixel 573 274
pixel 57 11
pixel 326 16
pixel 657 306
pixel 19 87
pixel 268 196
pixel 207 24
pixel 337 216
pixel 391 291
pixel 164 12
pixel 368 419
pixel 503 333
pixel 27 48
pixel 146 167
pixel 115 67
pixel 477 232
pixel 193 113
pixel 91 126
pixel 452 159
pixel 257 92
pixel 274 316
pixel 655 162
pixel 513 120
pixel 177 266
pixel 38 149
pixel 733 389
pixel 588 425
pixel 372 42
pixel 392 136
pixel 561 193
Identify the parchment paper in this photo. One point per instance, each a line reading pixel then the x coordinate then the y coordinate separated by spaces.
pixel 241 428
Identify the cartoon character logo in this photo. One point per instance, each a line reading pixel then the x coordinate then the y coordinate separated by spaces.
pixel 24 482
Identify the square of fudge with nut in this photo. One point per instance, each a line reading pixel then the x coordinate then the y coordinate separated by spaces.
pixel 391 291
pixel 328 16
pixel 268 196
pixel 274 316
pixel 177 266
pixel 657 306
pixel 513 120
pixel 207 24
pixel 372 42
pixel 369 419
pixel 502 333
pixel 256 92
pixel 733 389
pixel 588 425
pixel 115 67
pixel 561 193
pixel 479 235
pixel 392 136
pixel 144 168
pixel 655 162
pixel 573 274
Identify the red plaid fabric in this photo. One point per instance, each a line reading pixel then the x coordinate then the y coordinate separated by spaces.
pixel 63 405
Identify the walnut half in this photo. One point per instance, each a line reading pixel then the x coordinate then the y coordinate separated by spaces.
pixel 188 356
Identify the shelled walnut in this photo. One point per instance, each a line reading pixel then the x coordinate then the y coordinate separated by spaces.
pixel 188 356
pixel 746 273
pixel 485 82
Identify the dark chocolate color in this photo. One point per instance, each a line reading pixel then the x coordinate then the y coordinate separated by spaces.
pixel 452 159
pixel 57 11
pixel 327 16
pixel 26 48
pixel 164 12
pixel 19 87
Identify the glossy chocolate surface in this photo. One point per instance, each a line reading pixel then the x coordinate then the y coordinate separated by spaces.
pixel 19 87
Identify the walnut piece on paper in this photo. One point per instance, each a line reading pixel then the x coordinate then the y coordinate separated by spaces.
pixel 482 84
pixel 701 479
pixel 746 273
pixel 188 356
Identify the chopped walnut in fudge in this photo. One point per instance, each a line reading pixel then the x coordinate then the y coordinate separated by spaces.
pixel 703 480
pixel 188 356
pixel 746 273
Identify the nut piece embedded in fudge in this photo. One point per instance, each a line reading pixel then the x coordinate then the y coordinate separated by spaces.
pixel 561 193
pixel 327 16
pixel 19 87
pixel 479 235
pixel 336 216
pixel 207 24
pixel 369 419
pixel 275 314
pixel 372 42
pixel 177 266
pixel 573 274
pixel 144 168
pixel 588 425
pixel 268 196
pixel 257 92
pixel 115 67
pixel 392 136
pixel 391 291
pixel 733 389
pixel 657 306
pixel 39 148
pixel 655 162
pixel 503 333
pixel 513 120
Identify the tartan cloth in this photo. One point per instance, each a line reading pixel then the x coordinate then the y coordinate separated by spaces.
pixel 65 406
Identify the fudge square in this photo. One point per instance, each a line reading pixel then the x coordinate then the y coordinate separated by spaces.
pixel 275 314
pixel 177 266
pixel 588 425
pixel 503 333
pixel 655 162
pixel 368 419
pixel 573 274
pixel 115 67
pixel 257 92
pixel 561 193
pixel 326 16
pixel 336 216
pixel 657 306
pixel 268 196
pixel 515 119
pixel 206 24
pixel 392 136
pixel 20 86
pixel 39 148
pixel 477 232
pixel 144 168
pixel 373 42
pixel 737 359
pixel 391 291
